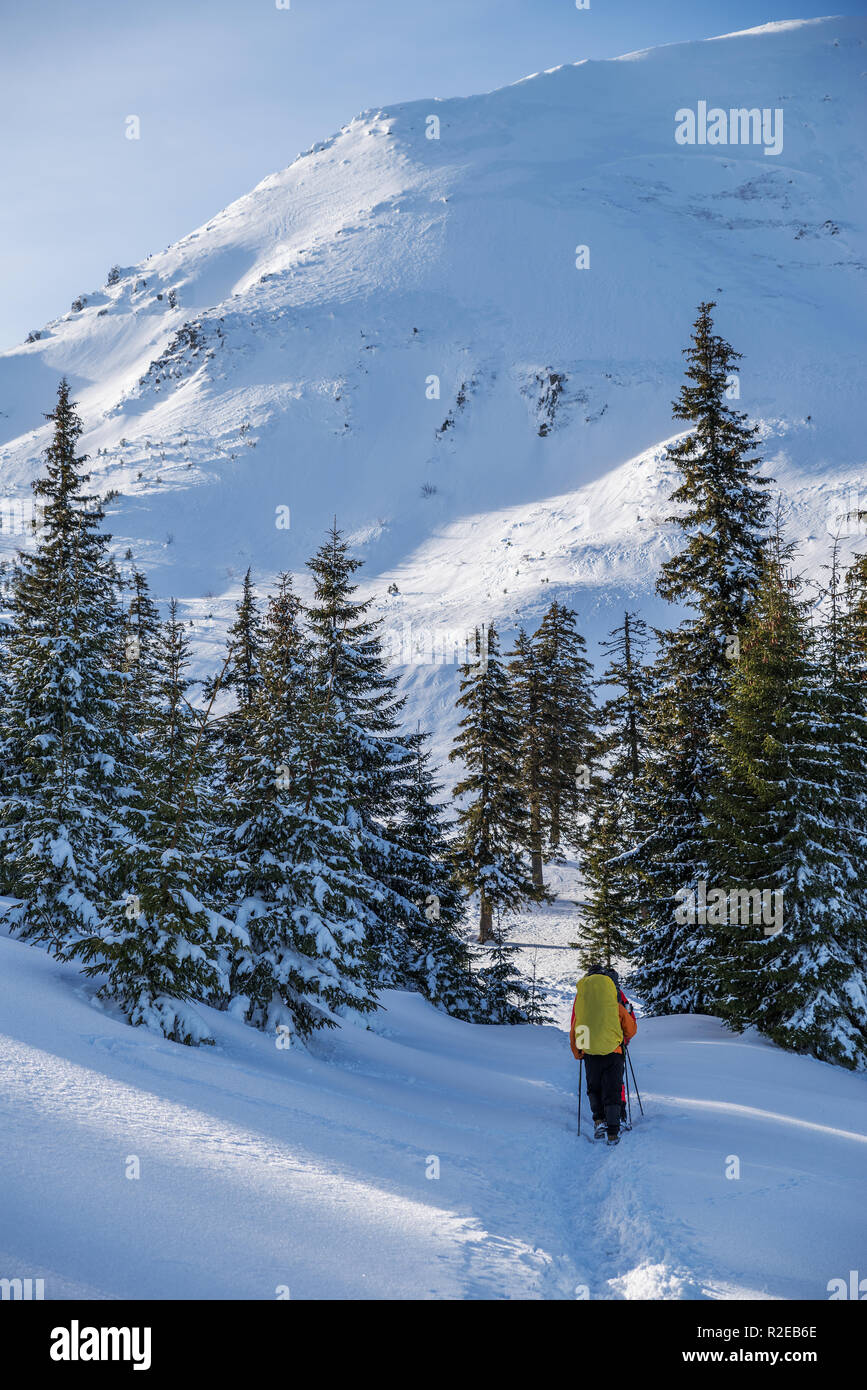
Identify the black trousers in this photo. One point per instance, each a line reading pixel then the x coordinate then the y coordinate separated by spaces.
pixel 605 1087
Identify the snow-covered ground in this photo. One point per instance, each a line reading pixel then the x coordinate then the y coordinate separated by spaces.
pixel 394 328
pixel 263 1170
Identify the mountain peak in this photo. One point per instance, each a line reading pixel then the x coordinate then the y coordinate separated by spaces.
pixel 456 320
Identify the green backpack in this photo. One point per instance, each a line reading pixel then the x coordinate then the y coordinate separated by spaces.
pixel 597 1016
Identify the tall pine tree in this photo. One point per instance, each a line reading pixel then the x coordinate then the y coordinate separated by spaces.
pixel 437 958
pixel 65 788
pixel 789 823
pixel 354 695
pixel 161 943
pixel 723 514
pixel 302 895
pixel 566 716
pixel 492 821
pixel 615 828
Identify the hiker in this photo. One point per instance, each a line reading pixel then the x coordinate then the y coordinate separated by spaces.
pixel 602 1010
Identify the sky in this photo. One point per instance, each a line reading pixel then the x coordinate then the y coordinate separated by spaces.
pixel 227 91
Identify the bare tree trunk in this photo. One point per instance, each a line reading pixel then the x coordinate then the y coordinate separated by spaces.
pixel 555 821
pixel 536 842
pixel 486 922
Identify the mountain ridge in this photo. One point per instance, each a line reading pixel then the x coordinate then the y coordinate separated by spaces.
pixel 394 328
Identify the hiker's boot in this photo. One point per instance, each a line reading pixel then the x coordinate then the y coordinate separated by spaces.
pixel 613 1136
pixel 600 1129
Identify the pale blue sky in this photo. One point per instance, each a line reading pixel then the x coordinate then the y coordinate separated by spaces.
pixel 229 90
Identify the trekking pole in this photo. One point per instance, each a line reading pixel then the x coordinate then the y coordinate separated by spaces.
pixel 626 1084
pixel 634 1082
pixel 580 1088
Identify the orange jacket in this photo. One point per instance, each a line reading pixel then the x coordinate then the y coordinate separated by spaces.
pixel 627 1023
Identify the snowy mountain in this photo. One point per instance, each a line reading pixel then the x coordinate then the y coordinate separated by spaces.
pixel 458 327
pixel 395 330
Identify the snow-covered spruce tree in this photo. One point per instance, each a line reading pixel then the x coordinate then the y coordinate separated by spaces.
pixel 438 962
pixel 622 738
pixel 6 751
pixel 829 1018
pixel 241 680
pixel 59 813
pixel 536 1011
pixel 492 819
pixel 302 894
pixel 508 998
pixel 161 944
pixel 243 673
pixel 566 715
pixel 852 669
pixel 609 887
pixel 352 689
pixel 853 622
pixel 142 639
pixel 229 735
pixel 853 629
pixel 844 652
pixel 526 678
pixel 723 513
pixel 613 886
pixel 747 806
pixel 139 640
pixel 788 814
pixel 673 963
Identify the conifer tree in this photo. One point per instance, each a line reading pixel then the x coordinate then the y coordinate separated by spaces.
pixel 526 680
pixel 613 887
pixel 137 660
pixel 566 716
pixel 65 789
pixel 353 693
pixel 853 621
pixel 302 894
pixel 160 944
pixel 788 820
pixel 437 958
pixel 492 822
pixel 842 647
pixel 142 636
pixel 535 1009
pixel 243 673
pixel 723 514
pixel 230 735
pixel 852 675
pixel 622 739
pixel 609 888
pixel 6 747
pixel 241 680
pixel 674 969
pixel 507 996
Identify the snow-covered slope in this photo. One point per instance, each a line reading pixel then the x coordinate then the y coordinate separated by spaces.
pixel 262 1170
pixel 294 371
